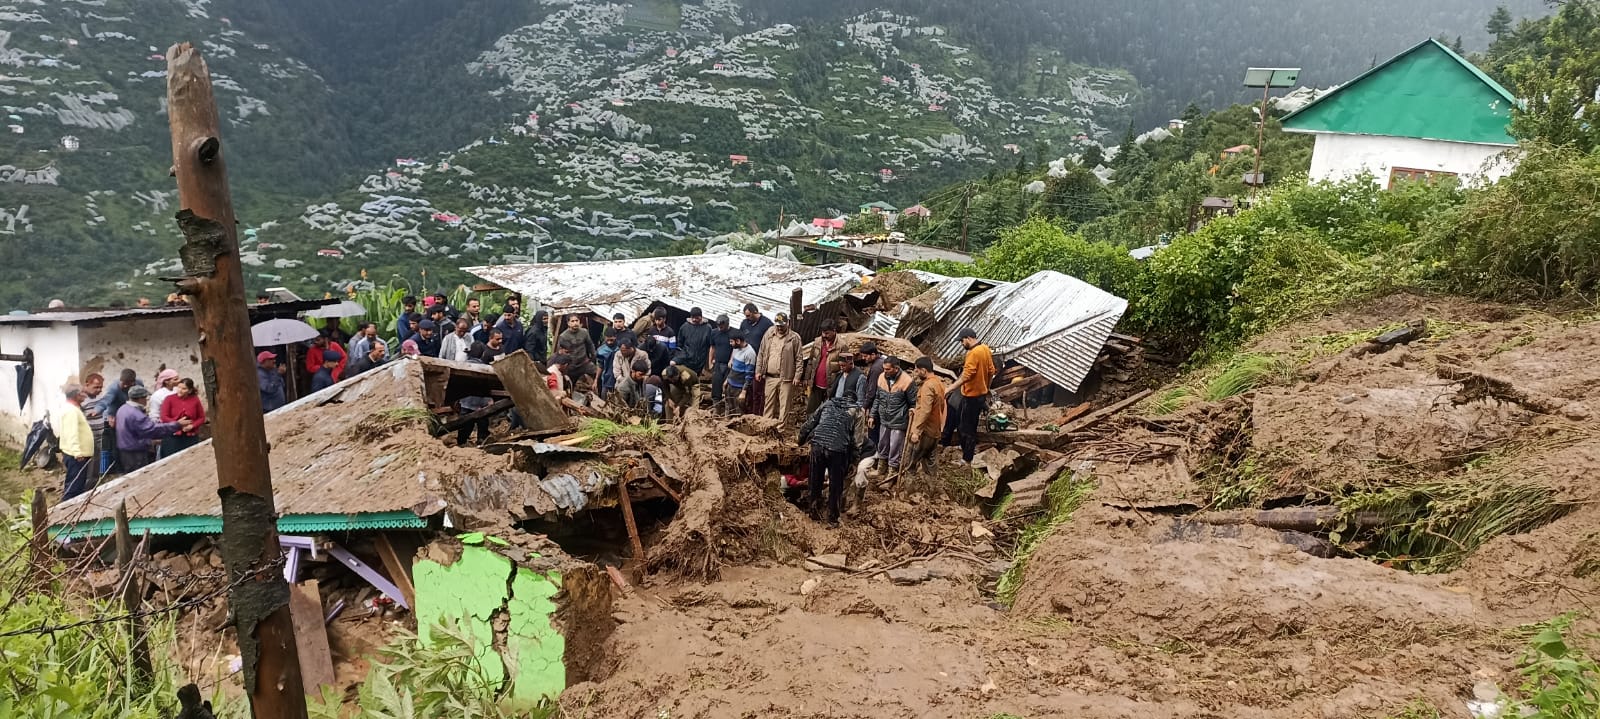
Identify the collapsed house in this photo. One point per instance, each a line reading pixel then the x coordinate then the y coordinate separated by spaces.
pixel 1049 330
pixel 363 485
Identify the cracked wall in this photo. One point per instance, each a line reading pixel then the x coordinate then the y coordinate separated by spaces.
pixel 506 610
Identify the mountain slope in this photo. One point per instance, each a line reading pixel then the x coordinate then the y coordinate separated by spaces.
pixel 635 136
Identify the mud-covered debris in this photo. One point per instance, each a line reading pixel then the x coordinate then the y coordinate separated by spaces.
pixel 906 576
pixel 827 563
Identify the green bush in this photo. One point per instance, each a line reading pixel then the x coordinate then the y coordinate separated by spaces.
pixel 1535 234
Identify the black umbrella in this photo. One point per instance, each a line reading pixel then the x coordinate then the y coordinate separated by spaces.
pixel 25 378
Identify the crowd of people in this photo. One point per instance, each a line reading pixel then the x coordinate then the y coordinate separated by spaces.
pixel 125 426
pixel 861 409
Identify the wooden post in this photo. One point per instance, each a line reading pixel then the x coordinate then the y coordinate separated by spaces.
pixel 214 283
pixel 40 544
pixel 627 518
pixel 399 571
pixel 311 636
pixel 138 642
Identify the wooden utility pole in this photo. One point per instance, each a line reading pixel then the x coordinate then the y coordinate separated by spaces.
pixel 213 280
pixel 966 199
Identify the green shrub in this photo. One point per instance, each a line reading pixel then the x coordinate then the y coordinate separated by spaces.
pixel 1559 681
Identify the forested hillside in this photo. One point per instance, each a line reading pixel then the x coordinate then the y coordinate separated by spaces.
pixel 384 138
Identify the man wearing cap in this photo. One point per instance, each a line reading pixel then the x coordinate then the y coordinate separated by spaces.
pixel 269 375
pixel 741 371
pixel 77 444
pixel 755 326
pixel 135 430
pixel 832 436
pixel 720 354
pixel 779 363
pixel 323 378
pixel 871 364
pixel 816 366
pixel 427 339
pixel 977 371
pixel 694 339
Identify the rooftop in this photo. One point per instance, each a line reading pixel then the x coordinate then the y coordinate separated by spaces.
pixel 1427 92
pixel 82 316
pixel 717 283
pixel 876 253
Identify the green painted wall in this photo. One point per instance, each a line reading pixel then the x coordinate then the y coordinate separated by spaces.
pixel 469 592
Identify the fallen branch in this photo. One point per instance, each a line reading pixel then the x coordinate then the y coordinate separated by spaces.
pixel 1476 386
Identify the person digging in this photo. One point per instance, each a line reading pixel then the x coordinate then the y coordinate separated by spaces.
pixel 832 436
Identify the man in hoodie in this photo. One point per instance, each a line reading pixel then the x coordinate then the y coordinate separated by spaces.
pixel 891 413
pixel 694 340
pixel 721 354
pixel 536 339
pixel 831 434
pixel 323 378
pixel 135 430
pixel 578 345
pixel 427 339
pixel 269 375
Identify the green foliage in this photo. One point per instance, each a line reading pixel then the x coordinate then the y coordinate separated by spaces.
pixel 1535 234
pixel 1037 245
pixel 1559 680
pixel 1063 497
pixel 864 223
pixel 1555 69
pixel 414 680
pixel 79 673
pixel 593 431
pixel 1434 526
pixel 1244 373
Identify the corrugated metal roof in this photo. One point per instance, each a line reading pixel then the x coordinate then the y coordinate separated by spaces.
pixel 79 316
pixel 1427 92
pixel 905 323
pixel 1050 323
pixel 718 284
pixel 328 471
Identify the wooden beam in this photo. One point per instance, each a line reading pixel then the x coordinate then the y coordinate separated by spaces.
pixel 213 282
pixel 138 642
pixel 399 568
pixel 633 528
pixel 475 415
pixel 538 408
pixel 1094 417
pixel 311 636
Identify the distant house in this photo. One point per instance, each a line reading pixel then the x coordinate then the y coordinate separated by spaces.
pixel 1176 124
pixel 1237 150
pixel 878 208
pixel 917 211
pixel 1426 113
pixel 330 252
pixel 738 159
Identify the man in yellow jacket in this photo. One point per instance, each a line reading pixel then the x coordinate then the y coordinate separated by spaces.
pixel 77 444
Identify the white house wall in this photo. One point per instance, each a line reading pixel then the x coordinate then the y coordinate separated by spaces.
pixel 55 360
pixel 144 345
pixel 1339 157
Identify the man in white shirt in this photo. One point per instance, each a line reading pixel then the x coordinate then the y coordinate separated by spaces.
pixel 455 345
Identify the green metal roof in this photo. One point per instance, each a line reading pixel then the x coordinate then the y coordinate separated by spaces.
pixel 880 204
pixel 1428 92
pixel 288 524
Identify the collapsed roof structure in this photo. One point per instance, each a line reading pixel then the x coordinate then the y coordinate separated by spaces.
pixel 718 284
pixel 1050 323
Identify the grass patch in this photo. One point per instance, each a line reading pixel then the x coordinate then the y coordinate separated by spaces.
pixel 1170 401
pixel 1062 498
pixel 999 512
pixel 594 431
pixel 1234 487
pixel 1418 709
pixel 1244 373
pixel 385 423
pixel 1437 525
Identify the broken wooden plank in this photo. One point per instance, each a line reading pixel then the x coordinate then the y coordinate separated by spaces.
pixel 1074 413
pixel 311 637
pixel 471 417
pixel 633 528
pixel 399 568
pixel 1095 417
pixel 538 408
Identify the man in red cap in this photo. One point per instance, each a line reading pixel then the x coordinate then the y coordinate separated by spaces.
pixel 269 374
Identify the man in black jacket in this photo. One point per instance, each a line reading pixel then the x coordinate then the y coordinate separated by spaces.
pixel 694 341
pixel 832 435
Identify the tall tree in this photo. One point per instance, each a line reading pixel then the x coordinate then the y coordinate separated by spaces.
pixel 1559 80
pixel 1500 23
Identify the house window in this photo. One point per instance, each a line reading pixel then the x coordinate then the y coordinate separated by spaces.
pixel 1406 174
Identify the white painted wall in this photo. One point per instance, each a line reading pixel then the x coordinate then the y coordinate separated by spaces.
pixel 55 360
pixel 63 352
pixel 144 345
pixel 1339 157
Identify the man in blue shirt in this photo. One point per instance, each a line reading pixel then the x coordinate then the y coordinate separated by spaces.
pixel 408 314
pixel 269 374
